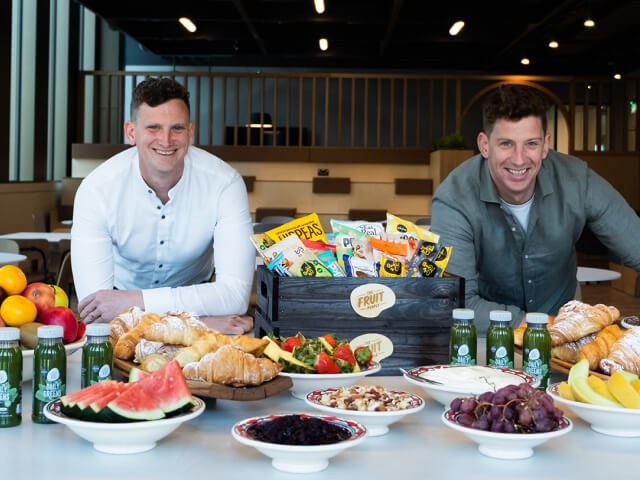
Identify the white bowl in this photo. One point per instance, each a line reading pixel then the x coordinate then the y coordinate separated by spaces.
pixel 506 446
pixel 377 423
pixel 619 422
pixel 122 438
pixel 27 358
pixel 304 383
pixel 445 394
pixel 299 458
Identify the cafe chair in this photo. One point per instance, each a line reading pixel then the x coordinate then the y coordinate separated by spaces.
pixel 36 251
pixel 277 219
pixel 424 221
pixel 65 275
pixel 9 246
pixel 262 227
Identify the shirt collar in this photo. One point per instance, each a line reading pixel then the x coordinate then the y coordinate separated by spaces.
pixel 176 188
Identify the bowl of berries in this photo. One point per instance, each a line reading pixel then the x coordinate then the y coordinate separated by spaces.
pixel 508 423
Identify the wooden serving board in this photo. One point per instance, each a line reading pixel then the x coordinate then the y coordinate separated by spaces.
pixel 564 367
pixel 224 392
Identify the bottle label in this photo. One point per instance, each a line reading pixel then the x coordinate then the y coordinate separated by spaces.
pixel 104 373
pixel 8 395
pixel 463 357
pixel 500 359
pixel 533 365
pixel 53 387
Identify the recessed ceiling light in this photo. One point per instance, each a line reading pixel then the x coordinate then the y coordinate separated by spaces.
pixel 188 24
pixel 525 61
pixel 456 27
pixel 589 87
pixel 553 44
pixel 319 4
pixel 324 44
pixel 617 76
pixel 589 22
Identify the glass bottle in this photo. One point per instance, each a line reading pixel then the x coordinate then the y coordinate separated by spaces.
pixel 97 355
pixel 463 339
pixel 536 348
pixel 49 370
pixel 10 377
pixel 500 339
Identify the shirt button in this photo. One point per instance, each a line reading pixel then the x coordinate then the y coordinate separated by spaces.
pixel 526 256
pixel 161 242
pixel 156 281
pixel 150 191
pixel 158 207
pixel 162 217
pixel 160 266
pixel 531 300
pixel 528 281
pixel 513 229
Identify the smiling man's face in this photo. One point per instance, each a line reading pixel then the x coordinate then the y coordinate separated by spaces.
pixel 515 150
pixel 163 135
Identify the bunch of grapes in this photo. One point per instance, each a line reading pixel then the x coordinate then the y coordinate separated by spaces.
pixel 511 409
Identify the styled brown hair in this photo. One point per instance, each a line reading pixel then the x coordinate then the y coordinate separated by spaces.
pixel 513 102
pixel 155 91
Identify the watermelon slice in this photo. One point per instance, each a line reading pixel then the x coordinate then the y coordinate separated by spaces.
pixel 169 388
pixel 136 374
pixel 74 403
pixel 132 405
pixel 94 410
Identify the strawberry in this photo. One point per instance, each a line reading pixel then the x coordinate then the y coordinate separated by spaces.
pixel 343 352
pixel 330 340
pixel 325 364
pixel 290 343
pixel 363 355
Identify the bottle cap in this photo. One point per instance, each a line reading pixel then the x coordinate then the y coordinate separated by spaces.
pixel 500 315
pixel 50 331
pixel 98 329
pixel 537 318
pixel 9 334
pixel 463 314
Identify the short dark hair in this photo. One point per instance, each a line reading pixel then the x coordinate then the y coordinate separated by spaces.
pixel 155 91
pixel 513 102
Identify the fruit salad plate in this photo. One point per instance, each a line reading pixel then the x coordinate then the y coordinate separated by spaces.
pixel 273 387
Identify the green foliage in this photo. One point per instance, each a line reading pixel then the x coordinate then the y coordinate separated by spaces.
pixel 453 141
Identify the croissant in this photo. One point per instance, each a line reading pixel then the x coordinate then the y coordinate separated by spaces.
pixel 624 354
pixel 177 328
pixel 576 320
pixel 518 333
pixel 599 349
pixel 124 322
pixel 231 366
pixel 212 341
pixel 571 351
pixel 146 348
pixel 126 345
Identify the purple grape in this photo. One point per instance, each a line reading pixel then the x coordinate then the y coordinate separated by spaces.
pixel 499 398
pixel 465 419
pixel 496 412
pixel 482 423
pixel 524 417
pixel 508 427
pixel 545 425
pixel 539 413
pixel 557 414
pixel 455 404
pixel 509 413
pixel 547 402
pixel 497 426
pixel 468 405
pixel 486 397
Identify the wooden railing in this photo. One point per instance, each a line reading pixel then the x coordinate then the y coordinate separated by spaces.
pixel 360 110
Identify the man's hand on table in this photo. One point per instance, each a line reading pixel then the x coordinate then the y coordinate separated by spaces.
pixel 104 305
pixel 229 324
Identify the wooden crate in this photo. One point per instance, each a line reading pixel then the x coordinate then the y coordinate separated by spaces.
pixel 418 323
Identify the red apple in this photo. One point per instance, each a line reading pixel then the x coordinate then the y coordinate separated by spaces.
pixel 82 328
pixel 61 316
pixel 42 295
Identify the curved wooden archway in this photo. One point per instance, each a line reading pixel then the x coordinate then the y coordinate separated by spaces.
pixel 546 91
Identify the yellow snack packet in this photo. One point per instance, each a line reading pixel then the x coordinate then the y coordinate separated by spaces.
pixel 409 229
pixel 307 228
pixel 391 266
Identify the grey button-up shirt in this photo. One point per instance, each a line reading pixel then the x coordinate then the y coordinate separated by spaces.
pixel 508 269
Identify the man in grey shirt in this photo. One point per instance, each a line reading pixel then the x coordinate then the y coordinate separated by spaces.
pixel 514 212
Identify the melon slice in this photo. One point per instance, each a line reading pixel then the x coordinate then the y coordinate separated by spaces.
pixel 74 403
pixel 169 388
pixel 136 374
pixel 132 405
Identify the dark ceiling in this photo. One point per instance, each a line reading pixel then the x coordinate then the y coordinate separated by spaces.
pixel 387 34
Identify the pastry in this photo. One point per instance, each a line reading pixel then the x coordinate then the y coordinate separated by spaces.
pixel 211 341
pixel 146 348
pixel 624 354
pixel 599 349
pixel 177 328
pixel 576 320
pixel 154 362
pixel 571 351
pixel 124 322
pixel 126 345
pixel 231 366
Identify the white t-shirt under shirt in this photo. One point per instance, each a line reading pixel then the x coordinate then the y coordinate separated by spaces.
pixel 521 212
pixel 124 237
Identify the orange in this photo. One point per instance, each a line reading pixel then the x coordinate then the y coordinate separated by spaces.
pixel 17 310
pixel 12 280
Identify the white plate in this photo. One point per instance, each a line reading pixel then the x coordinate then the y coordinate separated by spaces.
pixel 445 394
pixel 304 383
pixel 299 458
pixel 27 358
pixel 619 422
pixel 506 446
pixel 377 423
pixel 122 438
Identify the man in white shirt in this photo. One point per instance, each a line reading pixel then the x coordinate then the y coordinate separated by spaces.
pixel 146 221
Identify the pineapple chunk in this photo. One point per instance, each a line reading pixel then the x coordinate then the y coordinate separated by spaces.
pixel 622 390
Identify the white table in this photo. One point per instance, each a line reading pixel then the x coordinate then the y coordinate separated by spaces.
pixel 418 446
pixel 596 275
pixel 51 237
pixel 7 258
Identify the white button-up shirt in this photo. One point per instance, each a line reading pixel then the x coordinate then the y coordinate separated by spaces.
pixel 124 237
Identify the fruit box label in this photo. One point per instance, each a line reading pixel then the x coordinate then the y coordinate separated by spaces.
pixel 371 299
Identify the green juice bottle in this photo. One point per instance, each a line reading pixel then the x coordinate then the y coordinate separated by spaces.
pixel 500 339
pixel 49 370
pixel 97 355
pixel 463 339
pixel 536 348
pixel 10 377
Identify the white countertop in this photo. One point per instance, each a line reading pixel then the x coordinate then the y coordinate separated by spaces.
pixel 595 275
pixel 52 237
pixel 417 446
pixel 7 258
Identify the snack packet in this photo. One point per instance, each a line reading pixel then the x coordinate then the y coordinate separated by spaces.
pixel 391 266
pixel 308 228
pixel 318 246
pixel 262 243
pixel 371 229
pixel 279 266
pixel 308 265
pixel 329 261
pixel 409 229
pixel 291 249
pixel 358 267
